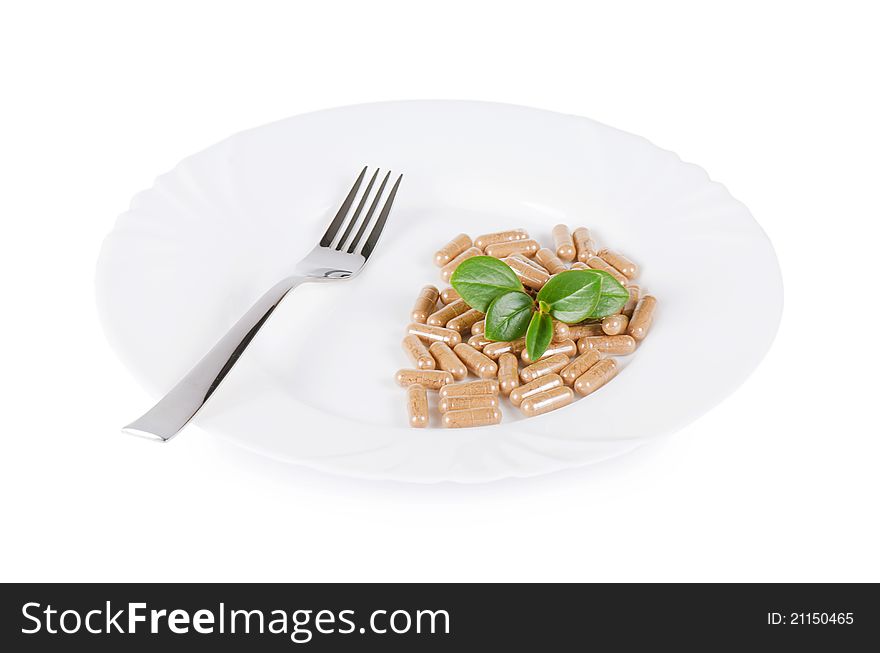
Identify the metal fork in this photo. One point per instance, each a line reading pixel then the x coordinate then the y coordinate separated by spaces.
pixel 326 262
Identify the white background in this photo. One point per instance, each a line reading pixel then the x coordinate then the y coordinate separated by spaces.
pixel 776 100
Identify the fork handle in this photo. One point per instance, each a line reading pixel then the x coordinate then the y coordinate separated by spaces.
pixel 164 420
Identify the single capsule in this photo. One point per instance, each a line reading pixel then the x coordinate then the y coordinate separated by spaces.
pixel 550 261
pixel 630 305
pixel 614 325
pixel 539 385
pixel 425 304
pixel 477 362
pixel 500 237
pixel 456 419
pixel 583 244
pixel 544 366
pixel 563 242
pixel 465 321
pixel 561 330
pixel 614 345
pixel 579 365
pixel 442 316
pixel 479 341
pixel 447 360
pixel 567 347
pixel 481 387
pixel 528 274
pixel 417 405
pixel 449 295
pixel 642 317
pixel 429 334
pixel 417 351
pixel 599 264
pixel 508 373
pixel 530 261
pixel 620 262
pixel 544 402
pixel 452 249
pixel 495 349
pixel 579 265
pixel 578 331
pixel 478 328
pixel 430 379
pixel 595 377
pixel 447 270
pixel 503 250
pixel 448 404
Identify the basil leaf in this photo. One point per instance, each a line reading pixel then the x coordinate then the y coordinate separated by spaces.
pixel 481 279
pixel 539 334
pixel 612 296
pixel 572 295
pixel 508 316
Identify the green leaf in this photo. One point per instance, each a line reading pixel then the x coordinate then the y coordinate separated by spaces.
pixel 612 296
pixel 508 316
pixel 539 335
pixel 482 279
pixel 575 295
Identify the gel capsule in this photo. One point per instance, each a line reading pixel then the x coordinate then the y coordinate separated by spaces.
pixel 550 261
pixel 600 264
pixel 500 237
pixel 614 345
pixel 529 261
pixel 620 262
pixel 583 244
pixel 448 404
pixel 567 347
pixel 541 384
pixel 465 321
pixel 478 328
pixel 614 325
pixel 417 351
pixel 595 377
pixel 477 362
pixel 456 419
pixel 502 250
pixel 441 317
pixel 578 331
pixel 447 270
pixel 579 265
pixel 508 373
pixel 563 243
pixel 528 274
pixel 430 379
pixel 417 406
pixel 495 349
pixel 478 341
pixel 642 317
pixel 429 334
pixel 544 402
pixel 448 295
pixel 452 249
pixel 425 304
pixel 579 365
pixel 630 305
pixel 447 360
pixel 544 366
pixel 561 330
pixel 481 387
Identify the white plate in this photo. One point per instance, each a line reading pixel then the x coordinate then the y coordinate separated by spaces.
pixel 316 387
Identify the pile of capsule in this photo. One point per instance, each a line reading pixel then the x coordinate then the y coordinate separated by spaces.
pixel 578 359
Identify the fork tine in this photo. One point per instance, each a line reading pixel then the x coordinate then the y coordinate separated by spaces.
pixel 369 215
pixel 343 211
pixel 380 223
pixel 354 217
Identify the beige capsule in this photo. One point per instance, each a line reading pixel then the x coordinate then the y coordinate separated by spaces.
pixel 479 341
pixel 441 317
pixel 481 387
pixel 452 249
pixel 567 347
pixel 429 334
pixel 583 244
pixel 541 384
pixel 417 351
pixel 561 330
pixel 550 261
pixel 448 404
pixel 500 237
pixel 508 373
pixel 563 243
pixel 449 295
pixel 495 349
pixel 595 377
pixel 529 261
pixel 579 365
pixel 447 360
pixel 642 317
pixel 476 361
pixel 544 402
pixel 600 264
pixel 614 345
pixel 630 305
pixel 456 419
pixel 578 331
pixel 478 328
pixel 503 250
pixel 530 276
pixel 430 379
pixel 620 262
pixel 544 366
pixel 579 265
pixel 465 321
pixel 614 325
pixel 425 304
pixel 447 270
pixel 417 405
